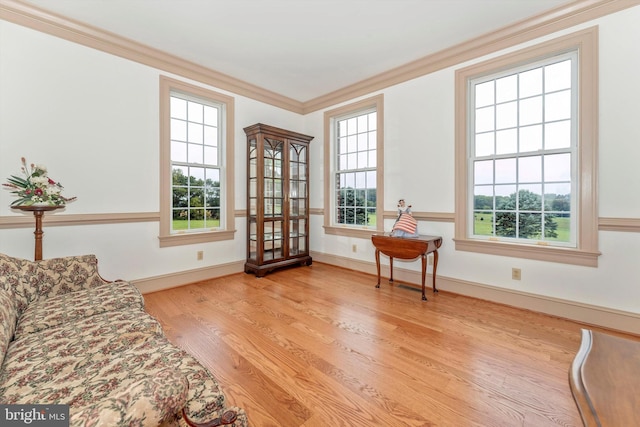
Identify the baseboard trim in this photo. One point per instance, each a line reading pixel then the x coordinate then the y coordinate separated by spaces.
pixel 587 314
pixel 181 278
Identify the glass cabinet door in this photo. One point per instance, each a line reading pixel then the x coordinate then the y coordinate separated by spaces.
pixel 252 197
pixel 297 199
pixel 273 200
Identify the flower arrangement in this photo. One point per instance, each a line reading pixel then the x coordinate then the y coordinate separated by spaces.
pixel 36 188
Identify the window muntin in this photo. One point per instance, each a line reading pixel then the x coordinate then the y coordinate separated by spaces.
pixel 355 169
pixel 585 189
pixel 522 167
pixel 201 144
pixel 196 167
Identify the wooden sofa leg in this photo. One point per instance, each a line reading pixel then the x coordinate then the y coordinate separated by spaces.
pixel 228 417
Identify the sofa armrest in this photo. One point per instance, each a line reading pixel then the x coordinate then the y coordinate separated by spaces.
pixel 149 402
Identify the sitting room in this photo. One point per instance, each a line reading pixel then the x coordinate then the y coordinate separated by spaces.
pixel 311 213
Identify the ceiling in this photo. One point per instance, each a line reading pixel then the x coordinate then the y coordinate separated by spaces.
pixel 301 49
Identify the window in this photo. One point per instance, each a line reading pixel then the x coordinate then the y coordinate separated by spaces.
pixel 197 183
pixel 353 165
pixel 523 140
pixel 526 153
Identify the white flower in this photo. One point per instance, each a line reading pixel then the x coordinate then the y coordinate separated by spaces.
pixel 40 180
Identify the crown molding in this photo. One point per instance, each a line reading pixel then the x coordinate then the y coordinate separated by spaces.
pixel 560 18
pixel 556 19
pixel 56 25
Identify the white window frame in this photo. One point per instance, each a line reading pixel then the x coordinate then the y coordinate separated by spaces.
pixel 226 231
pixel 330 167
pixel 519 156
pixel 585 251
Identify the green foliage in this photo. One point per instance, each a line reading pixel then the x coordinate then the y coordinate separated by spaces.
pixel 356 206
pixel 528 223
pixel 195 200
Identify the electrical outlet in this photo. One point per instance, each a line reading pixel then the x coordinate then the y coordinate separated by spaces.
pixel 354 248
pixel 430 260
pixel 200 255
pixel 516 274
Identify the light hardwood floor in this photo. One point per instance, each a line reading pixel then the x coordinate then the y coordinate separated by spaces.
pixel 321 346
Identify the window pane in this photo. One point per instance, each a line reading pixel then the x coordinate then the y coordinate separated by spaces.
pixel 195 112
pixel 483 172
pixel 530 169
pixel 531 83
pixel 485 94
pixel 178 151
pixel 557 135
pixel 210 155
pixel 373 123
pixel 530 198
pixel 485 119
pixel 484 144
pixel 557 76
pixel 531 111
pixel 505 171
pixel 195 154
pixel 507 141
pixel 557 167
pixel 506 115
pixel 507 88
pixel 178 108
pixel 178 130
pixel 195 133
pixel 558 106
pixel 210 136
pixel 210 116
pixel 530 138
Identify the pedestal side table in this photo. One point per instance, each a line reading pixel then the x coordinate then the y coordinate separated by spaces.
pixel 38 213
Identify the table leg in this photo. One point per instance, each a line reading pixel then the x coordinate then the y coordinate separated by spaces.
pixel 390 269
pixel 424 274
pixel 378 266
pixel 435 267
pixel 38 235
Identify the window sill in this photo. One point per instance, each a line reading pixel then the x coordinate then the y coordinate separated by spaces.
pixel 193 238
pixel 535 252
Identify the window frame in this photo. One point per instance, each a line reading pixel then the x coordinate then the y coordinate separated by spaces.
pixel 227 184
pixel 330 168
pixel 586 251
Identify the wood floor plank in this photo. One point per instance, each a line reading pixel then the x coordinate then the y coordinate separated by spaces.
pixel 320 345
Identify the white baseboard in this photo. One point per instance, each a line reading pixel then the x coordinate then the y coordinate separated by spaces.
pixel 173 280
pixel 580 312
pixel 584 313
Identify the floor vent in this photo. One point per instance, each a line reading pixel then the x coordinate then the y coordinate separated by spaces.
pixel 411 288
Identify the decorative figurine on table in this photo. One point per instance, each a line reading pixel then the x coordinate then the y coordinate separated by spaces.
pixel 405 225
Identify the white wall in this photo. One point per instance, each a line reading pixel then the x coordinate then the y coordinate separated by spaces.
pixel 419 166
pixel 92 118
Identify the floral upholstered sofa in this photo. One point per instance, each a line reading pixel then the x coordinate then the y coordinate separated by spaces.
pixel 69 337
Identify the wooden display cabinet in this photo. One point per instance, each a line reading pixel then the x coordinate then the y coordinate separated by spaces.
pixel 277 199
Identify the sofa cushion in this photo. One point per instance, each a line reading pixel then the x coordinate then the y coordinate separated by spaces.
pixel 81 362
pixel 8 319
pixel 66 308
pixel 97 356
